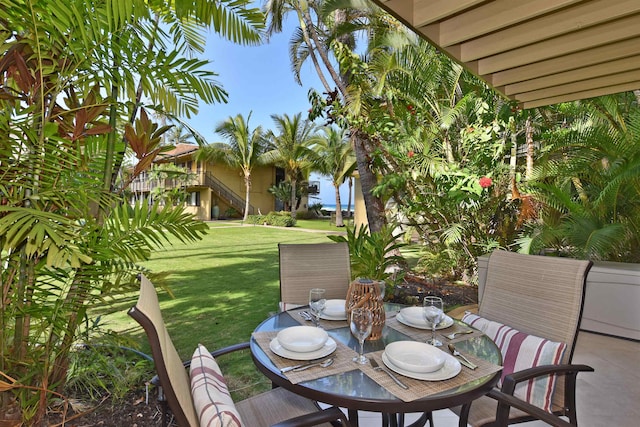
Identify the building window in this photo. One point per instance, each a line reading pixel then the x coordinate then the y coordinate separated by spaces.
pixel 194 198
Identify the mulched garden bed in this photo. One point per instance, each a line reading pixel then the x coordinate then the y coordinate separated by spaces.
pixel 414 288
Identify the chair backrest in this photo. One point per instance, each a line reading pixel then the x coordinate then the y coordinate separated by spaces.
pixel 173 376
pixel 538 295
pixel 313 265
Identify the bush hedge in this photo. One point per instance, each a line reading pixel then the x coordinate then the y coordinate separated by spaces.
pixel 279 219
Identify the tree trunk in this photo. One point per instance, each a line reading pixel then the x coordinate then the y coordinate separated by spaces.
pixel 247 185
pixel 448 150
pixel 350 181
pixel 374 205
pixel 294 184
pixel 339 222
pixel 513 161
pixel 529 139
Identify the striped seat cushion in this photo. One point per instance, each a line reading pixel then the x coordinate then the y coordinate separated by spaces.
pixel 522 351
pixel 211 398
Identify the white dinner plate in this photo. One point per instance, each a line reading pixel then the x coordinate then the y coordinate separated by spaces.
pixel 325 317
pixel 450 369
pixel 334 310
pixel 415 356
pixel 302 339
pixel 277 348
pixel 446 322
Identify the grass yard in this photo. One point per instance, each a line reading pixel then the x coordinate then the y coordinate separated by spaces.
pixel 223 287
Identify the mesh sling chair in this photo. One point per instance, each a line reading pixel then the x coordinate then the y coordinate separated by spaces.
pixel 531 306
pixel 312 265
pixel 275 407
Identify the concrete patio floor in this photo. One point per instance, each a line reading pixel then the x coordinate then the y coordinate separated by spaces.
pixel 608 397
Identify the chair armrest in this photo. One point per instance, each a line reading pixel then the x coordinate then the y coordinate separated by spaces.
pixel 215 353
pixel 316 418
pixel 510 381
pixel 512 401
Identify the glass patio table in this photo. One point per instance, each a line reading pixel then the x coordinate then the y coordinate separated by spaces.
pixel 355 390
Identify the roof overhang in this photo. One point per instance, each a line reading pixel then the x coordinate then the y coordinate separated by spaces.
pixel 536 52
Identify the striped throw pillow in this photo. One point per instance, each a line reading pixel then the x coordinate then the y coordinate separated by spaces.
pixel 521 351
pixel 211 397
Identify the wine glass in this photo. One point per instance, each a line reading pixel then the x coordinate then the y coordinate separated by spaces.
pixel 317 301
pixel 383 287
pixel 432 309
pixel 361 324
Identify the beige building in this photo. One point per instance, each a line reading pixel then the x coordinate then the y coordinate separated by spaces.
pixel 213 191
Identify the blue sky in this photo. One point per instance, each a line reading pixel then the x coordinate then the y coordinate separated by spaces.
pixel 259 80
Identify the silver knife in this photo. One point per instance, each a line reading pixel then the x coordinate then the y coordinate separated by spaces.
pixel 466 363
pixel 461 358
pixel 377 367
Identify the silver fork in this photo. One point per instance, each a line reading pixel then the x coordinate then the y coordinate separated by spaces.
pixel 306 316
pixel 377 367
pixel 452 335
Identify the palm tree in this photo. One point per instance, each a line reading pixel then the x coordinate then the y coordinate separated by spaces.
pixel 335 159
pixel 177 135
pixel 589 181
pixel 326 36
pixel 245 150
pixel 290 150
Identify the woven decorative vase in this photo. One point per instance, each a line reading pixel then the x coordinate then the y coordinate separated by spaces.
pixel 365 293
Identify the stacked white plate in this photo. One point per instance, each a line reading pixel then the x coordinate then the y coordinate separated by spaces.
pixel 420 361
pixel 334 309
pixel 414 317
pixel 302 343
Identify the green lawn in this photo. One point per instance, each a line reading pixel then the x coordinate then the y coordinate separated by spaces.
pixel 223 286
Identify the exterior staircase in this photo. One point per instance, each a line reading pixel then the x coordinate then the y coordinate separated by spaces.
pixel 226 194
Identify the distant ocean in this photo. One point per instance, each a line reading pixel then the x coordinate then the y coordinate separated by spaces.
pixel 332 207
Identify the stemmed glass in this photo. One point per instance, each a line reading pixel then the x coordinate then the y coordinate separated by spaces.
pixel 317 301
pixel 361 324
pixel 432 309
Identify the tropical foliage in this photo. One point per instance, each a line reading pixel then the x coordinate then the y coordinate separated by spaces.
pixel 465 170
pixel 374 254
pixel 588 180
pixel 74 77
pixel 459 168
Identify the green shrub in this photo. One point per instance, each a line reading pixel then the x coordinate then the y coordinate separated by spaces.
pixel 372 254
pixel 232 213
pixel 278 219
pixel 105 363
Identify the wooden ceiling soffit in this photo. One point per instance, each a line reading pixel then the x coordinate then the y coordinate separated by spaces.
pixel 537 52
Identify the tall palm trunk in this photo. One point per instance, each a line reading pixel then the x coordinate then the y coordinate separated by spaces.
pixel 448 149
pixel 530 148
pixel 339 221
pixel 373 205
pixel 368 180
pixel 294 184
pixel 350 181
pixel 247 186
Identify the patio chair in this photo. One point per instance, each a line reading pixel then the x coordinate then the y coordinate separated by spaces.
pixel 531 307
pixel 205 400
pixel 313 265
